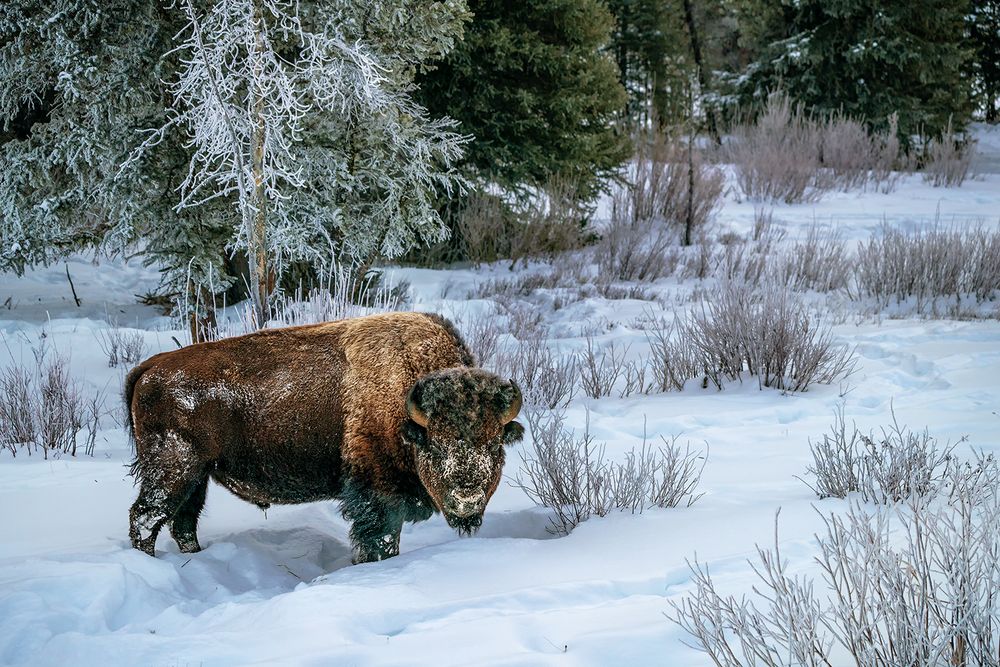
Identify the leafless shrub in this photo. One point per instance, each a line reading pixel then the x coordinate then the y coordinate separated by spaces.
pixel 17 409
pixel 524 320
pixel 763 225
pixel 481 332
pixel 673 359
pixel 615 292
pixel 650 212
pixel 546 378
pixel 982 270
pixel 121 346
pixel 948 159
pixel 661 184
pixel 484 227
pixel 769 334
pixel 570 474
pixel 777 156
pixel 553 223
pixel 341 293
pixel 820 262
pixel 847 150
pixel 600 370
pixel 46 409
pixel 786 155
pixel 746 262
pixel 927 598
pixel 886 168
pixel 929 264
pixel 895 466
pixel 635 379
pixel 634 249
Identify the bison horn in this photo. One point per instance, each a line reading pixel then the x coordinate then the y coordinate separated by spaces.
pixel 515 405
pixel 412 409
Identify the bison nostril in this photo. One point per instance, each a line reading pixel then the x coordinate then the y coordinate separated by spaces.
pixel 472 498
pixel 466 504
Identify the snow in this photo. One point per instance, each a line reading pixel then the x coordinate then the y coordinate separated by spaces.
pixel 278 588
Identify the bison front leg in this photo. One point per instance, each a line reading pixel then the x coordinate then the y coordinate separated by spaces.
pixel 376 522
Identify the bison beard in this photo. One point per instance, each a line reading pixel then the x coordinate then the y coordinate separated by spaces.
pixel 384 413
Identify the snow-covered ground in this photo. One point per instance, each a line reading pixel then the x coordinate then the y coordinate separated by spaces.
pixel 278 588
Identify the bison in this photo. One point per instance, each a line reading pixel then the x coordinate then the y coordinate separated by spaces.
pixel 385 413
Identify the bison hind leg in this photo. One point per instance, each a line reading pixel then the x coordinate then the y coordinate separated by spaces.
pixel 170 476
pixel 184 525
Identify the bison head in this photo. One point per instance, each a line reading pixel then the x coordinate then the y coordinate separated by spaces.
pixel 459 421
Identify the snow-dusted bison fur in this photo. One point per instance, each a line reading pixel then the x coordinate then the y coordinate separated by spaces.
pixel 385 413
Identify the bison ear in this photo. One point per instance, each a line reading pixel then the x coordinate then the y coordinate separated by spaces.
pixel 509 401
pixel 413 408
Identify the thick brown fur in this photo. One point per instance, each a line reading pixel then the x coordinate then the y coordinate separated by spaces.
pixel 319 412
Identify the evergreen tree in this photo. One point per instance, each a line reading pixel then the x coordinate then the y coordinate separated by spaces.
pixel 531 84
pixel 865 58
pixel 79 79
pixel 984 30
pixel 651 49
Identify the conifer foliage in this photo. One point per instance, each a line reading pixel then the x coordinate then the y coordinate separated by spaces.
pixel 78 80
pixel 984 30
pixel 869 60
pixel 531 84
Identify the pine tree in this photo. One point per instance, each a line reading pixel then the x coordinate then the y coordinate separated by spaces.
pixel 531 84
pixel 78 82
pixel 869 60
pixel 984 31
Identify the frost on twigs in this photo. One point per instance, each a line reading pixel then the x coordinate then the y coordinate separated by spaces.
pixel 768 333
pixel 43 408
pixel 885 468
pixel 569 474
pixel 918 584
pixel 299 120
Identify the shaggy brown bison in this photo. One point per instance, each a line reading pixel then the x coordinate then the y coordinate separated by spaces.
pixel 384 413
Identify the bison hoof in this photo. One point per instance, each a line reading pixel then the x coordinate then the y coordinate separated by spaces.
pixel 189 546
pixel 147 546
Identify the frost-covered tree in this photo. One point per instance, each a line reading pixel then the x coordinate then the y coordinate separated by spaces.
pixel 210 129
pixel 300 115
pixel 78 79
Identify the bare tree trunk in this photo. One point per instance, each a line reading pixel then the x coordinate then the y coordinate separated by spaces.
pixel 689 216
pixel 260 271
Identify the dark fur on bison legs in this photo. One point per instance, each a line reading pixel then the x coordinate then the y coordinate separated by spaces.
pixel 376 522
pixel 184 525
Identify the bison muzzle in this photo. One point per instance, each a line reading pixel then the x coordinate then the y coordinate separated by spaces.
pixel 385 413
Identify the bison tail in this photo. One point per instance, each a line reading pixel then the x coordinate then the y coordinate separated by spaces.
pixel 129 389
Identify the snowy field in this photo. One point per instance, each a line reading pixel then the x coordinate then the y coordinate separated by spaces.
pixel 278 588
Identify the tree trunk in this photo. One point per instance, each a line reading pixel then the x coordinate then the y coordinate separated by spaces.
pixel 260 270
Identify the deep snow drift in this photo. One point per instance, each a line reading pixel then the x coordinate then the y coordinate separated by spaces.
pixel 278 588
